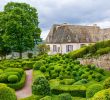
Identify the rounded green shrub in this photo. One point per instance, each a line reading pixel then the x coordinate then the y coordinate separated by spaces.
pixel 43 69
pixel 1 71
pixel 3 78
pixel 65 96
pixel 46 98
pixel 7 93
pixel 13 78
pixel 107 83
pixel 41 87
pixel 91 90
pixel 102 95
pixel 37 65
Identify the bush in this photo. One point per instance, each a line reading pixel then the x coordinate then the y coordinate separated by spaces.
pixel 84 76
pixel 13 78
pixel 93 89
pixel 67 81
pixel 65 96
pixel 7 93
pixel 107 83
pixel 27 64
pixel 43 69
pixel 37 65
pixel 30 55
pixel 46 98
pixel 102 95
pixel 1 71
pixel 41 86
pixel 98 77
pixel 19 84
pixel 101 71
pixel 19 70
pixel 74 90
pixel 3 78
pixel 103 51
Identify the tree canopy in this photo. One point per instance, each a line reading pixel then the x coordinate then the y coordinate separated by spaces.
pixel 19 27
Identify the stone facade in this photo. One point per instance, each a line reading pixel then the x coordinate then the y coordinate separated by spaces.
pixel 102 61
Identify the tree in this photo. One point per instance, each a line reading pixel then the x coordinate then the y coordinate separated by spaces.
pixel 21 27
pixel 43 49
pixel 4 48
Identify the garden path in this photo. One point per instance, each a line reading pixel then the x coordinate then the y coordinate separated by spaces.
pixel 26 90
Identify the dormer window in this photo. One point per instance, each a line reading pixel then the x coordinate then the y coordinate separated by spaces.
pixel 68 38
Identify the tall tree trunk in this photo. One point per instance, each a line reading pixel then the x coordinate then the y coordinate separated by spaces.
pixel 20 55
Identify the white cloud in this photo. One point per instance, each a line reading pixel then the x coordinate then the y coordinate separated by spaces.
pixel 69 11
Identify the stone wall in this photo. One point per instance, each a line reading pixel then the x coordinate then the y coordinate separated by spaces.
pixel 102 61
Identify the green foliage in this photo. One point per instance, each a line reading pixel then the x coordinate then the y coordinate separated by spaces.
pixel 102 95
pixel 107 83
pixel 74 90
pixel 20 27
pixel 65 96
pixel 99 48
pixel 30 55
pixel 3 78
pixel 43 69
pixel 19 84
pixel 43 49
pixel 46 98
pixel 41 86
pixel 103 51
pixel 67 81
pixel 91 90
pixel 37 65
pixel 13 78
pixel 7 93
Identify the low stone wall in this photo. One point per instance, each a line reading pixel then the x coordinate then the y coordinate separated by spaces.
pixel 102 61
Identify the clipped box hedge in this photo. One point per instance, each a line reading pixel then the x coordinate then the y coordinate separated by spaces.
pixel 74 90
pixel 19 84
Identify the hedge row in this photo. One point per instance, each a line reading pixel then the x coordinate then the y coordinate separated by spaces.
pixel 74 90
pixel 99 48
pixel 19 84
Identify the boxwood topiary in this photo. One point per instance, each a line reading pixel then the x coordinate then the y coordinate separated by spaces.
pixel 65 96
pixel 41 87
pixel 102 95
pixel 43 69
pixel 7 93
pixel 107 83
pixel 13 78
pixel 91 90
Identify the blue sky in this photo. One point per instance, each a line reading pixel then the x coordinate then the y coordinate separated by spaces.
pixel 85 12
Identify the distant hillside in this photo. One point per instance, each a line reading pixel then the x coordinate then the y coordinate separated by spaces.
pixel 98 49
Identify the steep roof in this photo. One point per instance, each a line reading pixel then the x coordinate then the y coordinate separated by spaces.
pixel 74 34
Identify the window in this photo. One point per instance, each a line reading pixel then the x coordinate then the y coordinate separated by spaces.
pixel 54 48
pixel 69 48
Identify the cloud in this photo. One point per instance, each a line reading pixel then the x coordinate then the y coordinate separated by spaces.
pixel 69 11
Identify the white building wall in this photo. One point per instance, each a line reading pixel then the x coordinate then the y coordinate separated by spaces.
pixel 63 47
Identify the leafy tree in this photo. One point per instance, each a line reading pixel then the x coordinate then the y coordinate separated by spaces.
pixel 21 27
pixel 4 48
pixel 43 49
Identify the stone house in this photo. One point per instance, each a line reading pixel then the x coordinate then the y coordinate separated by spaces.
pixel 65 38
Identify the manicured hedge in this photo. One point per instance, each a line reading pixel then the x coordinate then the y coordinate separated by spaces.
pixel 19 84
pixel 102 95
pixel 13 78
pixel 7 93
pixel 91 90
pixel 74 90
pixel 19 70
pixel 106 83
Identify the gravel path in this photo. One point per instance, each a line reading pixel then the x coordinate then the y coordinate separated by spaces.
pixel 26 90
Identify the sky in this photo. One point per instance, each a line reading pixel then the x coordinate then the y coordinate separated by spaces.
pixel 84 12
